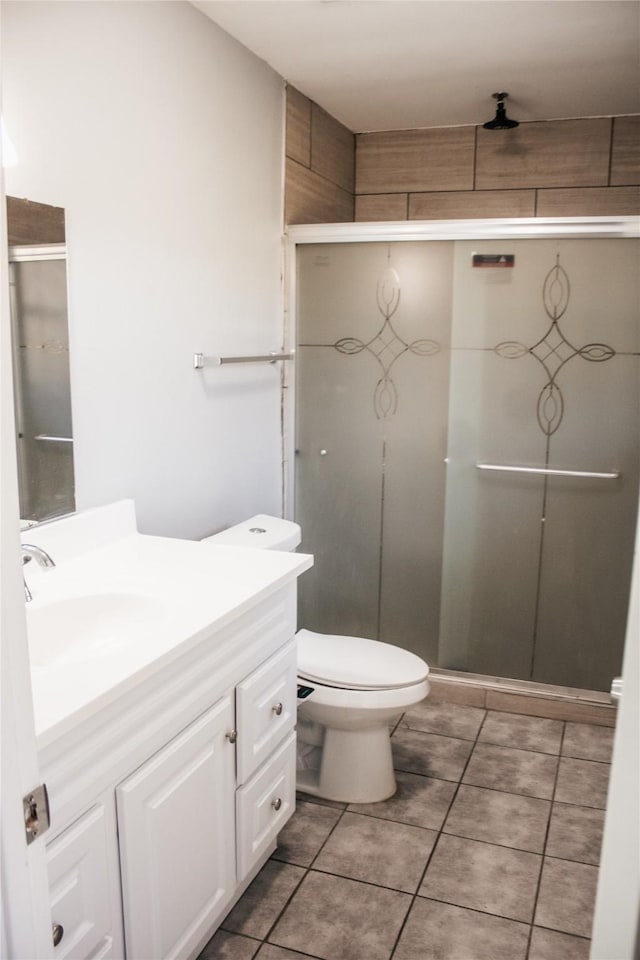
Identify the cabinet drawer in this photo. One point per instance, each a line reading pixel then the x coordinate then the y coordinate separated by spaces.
pixel 265 709
pixel 78 866
pixel 264 804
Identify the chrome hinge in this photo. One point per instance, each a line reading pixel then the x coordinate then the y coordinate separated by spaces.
pixel 36 813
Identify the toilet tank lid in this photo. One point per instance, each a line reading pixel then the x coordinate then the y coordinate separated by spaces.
pixel 355 663
pixel 263 531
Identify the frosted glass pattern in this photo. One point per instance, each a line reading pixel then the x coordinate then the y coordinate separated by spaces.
pixel 372 380
pixel 415 367
pixel 544 373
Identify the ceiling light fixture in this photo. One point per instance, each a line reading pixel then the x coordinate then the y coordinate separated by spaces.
pixel 501 121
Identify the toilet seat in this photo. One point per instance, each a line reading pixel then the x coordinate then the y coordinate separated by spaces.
pixel 356 663
pixel 397 699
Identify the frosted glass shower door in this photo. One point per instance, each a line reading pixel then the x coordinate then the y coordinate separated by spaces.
pixel 373 336
pixel 544 375
pixel 421 376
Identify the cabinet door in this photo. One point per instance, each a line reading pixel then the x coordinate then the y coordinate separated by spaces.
pixel 266 709
pixel 176 825
pixel 83 886
pixel 264 805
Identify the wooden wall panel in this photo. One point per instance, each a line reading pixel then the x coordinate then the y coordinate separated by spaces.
pixel 382 206
pixel 320 168
pixel 310 198
pixel 625 151
pixel 30 223
pixel 589 202
pixel 332 149
pixel 472 204
pixel 553 153
pixel 298 129
pixel 415 160
pixel 581 167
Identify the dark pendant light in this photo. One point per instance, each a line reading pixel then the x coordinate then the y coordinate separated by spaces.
pixel 501 121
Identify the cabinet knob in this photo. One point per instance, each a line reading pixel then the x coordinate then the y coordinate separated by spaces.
pixel 57 933
pixel 232 736
pixel 277 709
pixel 277 803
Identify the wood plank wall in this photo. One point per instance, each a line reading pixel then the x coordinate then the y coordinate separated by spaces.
pixel 33 223
pixel 554 168
pixel 320 164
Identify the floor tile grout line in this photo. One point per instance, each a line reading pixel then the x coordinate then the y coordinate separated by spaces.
pixel 491 743
pixel 483 913
pixel 603 763
pixel 437 839
pixel 578 936
pixel 546 839
pixel 496 789
pixel 499 916
pixel 303 953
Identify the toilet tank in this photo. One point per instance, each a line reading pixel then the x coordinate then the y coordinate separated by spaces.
pixel 268 533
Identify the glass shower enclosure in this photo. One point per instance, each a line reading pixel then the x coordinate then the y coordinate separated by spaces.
pixel 466 446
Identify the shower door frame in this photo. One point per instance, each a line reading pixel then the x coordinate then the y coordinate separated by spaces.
pixel 531 228
pixel 498 229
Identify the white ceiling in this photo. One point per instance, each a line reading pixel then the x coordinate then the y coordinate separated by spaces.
pixel 394 64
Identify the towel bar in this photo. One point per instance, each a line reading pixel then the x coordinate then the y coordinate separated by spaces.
pixel 549 471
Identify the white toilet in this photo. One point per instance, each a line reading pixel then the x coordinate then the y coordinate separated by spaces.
pixel 349 689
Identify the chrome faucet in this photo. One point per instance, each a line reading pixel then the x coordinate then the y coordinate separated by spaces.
pixel 42 558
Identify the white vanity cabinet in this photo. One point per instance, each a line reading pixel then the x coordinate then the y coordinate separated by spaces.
pixel 185 780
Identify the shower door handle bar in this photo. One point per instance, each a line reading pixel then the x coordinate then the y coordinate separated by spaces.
pixel 549 471
pixel 45 436
pixel 199 359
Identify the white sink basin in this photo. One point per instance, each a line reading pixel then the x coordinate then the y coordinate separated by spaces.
pixel 87 628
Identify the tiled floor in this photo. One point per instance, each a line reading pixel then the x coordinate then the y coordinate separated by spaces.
pixel 488 851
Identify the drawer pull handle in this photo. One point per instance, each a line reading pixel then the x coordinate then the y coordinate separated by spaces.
pixel 57 933
pixel 276 804
pixel 232 736
pixel 277 709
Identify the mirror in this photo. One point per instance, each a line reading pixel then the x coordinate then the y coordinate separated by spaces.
pixel 40 348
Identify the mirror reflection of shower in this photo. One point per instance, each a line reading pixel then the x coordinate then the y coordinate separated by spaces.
pixel 40 343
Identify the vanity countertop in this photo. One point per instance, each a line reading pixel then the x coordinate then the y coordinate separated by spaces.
pixel 119 606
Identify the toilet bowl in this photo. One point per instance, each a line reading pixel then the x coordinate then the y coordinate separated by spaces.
pixel 349 690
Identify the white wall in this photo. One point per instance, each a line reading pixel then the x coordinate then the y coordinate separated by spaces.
pixel 162 138
pixel 617 914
